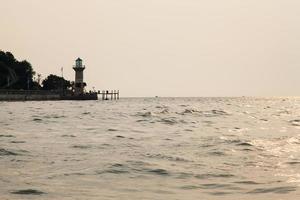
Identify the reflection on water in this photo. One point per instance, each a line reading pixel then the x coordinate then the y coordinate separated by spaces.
pixel 153 148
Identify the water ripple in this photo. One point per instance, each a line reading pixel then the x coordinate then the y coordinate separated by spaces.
pixel 28 192
pixel 276 190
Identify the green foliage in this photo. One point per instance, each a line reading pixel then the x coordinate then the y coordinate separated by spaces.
pixel 53 82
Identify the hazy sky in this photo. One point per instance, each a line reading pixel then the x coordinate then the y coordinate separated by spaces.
pixel 161 47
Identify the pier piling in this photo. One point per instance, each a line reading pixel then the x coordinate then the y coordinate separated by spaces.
pixel 109 95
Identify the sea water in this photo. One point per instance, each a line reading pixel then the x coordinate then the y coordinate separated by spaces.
pixel 151 148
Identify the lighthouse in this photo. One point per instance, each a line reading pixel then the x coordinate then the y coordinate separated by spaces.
pixel 79 84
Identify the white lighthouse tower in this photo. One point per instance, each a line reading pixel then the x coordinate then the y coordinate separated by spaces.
pixel 79 84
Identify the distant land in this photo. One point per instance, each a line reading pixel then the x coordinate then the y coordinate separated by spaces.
pixel 20 75
pixel 19 82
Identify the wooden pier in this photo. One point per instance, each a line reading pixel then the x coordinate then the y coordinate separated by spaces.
pixel 110 95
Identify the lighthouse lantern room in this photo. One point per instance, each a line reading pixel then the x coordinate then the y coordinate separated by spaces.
pixel 79 84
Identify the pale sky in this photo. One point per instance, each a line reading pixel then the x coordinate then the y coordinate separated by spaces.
pixel 161 47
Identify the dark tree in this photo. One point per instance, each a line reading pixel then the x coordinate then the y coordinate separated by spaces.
pixel 53 82
pixel 19 75
pixel 3 74
pixel 15 74
pixel 25 75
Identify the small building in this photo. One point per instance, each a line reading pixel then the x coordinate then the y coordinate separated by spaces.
pixel 79 87
pixel 79 84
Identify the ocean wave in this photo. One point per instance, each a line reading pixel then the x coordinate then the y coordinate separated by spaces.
pixel 209 113
pixel 202 147
pixel 144 114
pixel 7 136
pixel 295 122
pixel 112 129
pixel 81 146
pixel 167 157
pixel 5 152
pixel 28 192
pixel 190 111
pixel 161 172
pixel 169 121
pixel 276 190
pixel 214 175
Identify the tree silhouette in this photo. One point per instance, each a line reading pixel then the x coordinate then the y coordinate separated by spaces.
pixel 19 75
pixel 53 82
pixel 15 74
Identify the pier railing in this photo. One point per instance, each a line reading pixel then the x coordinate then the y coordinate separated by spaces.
pixel 110 95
